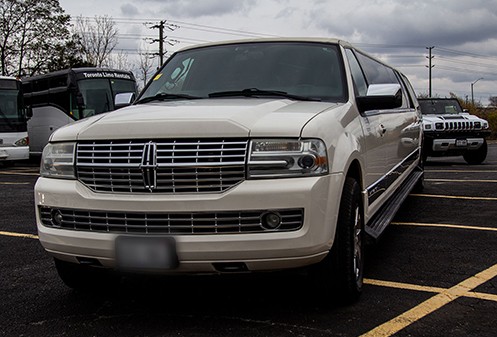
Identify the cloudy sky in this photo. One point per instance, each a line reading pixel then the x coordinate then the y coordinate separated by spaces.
pixel 463 33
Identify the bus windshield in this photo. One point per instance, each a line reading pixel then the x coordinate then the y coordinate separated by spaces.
pixel 11 113
pixel 98 95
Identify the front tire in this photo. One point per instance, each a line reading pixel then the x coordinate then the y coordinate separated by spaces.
pixel 341 273
pixel 477 156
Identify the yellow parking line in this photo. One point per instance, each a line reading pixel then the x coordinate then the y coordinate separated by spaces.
pixel 482 296
pixel 13 183
pixel 463 180
pixel 461 171
pixel 19 235
pixel 13 173
pixel 432 304
pixel 452 197
pixel 405 286
pixel 491 229
pixel 426 289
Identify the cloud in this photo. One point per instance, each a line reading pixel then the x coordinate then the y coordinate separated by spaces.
pixel 415 22
pixel 129 10
pixel 195 8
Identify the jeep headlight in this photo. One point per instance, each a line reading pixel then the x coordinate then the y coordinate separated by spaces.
pixel 285 158
pixel 57 161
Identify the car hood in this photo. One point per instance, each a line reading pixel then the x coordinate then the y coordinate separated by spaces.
pixel 450 118
pixel 198 118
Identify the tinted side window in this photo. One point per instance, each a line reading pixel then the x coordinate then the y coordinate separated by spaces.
pixel 361 87
pixel 376 73
pixel 410 90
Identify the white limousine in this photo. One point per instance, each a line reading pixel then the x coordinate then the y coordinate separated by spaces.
pixel 240 156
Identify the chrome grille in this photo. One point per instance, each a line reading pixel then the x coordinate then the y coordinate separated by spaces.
pixel 221 222
pixel 459 126
pixel 179 166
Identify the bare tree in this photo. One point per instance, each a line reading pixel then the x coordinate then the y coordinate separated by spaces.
pixel 493 101
pixel 119 61
pixel 146 66
pixel 30 31
pixel 97 37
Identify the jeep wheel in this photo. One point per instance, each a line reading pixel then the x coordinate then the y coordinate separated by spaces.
pixel 341 273
pixel 477 156
pixel 82 277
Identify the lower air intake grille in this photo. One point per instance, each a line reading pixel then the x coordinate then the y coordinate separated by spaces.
pixel 222 222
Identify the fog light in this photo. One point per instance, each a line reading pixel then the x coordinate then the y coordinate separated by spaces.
pixel 271 220
pixel 57 218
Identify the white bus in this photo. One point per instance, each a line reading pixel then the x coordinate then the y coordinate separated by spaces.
pixel 13 132
pixel 64 96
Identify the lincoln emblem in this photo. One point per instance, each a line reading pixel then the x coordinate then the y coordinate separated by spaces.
pixel 148 166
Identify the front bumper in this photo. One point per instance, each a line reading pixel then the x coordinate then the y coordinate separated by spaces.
pixel 445 143
pixel 14 153
pixel 318 197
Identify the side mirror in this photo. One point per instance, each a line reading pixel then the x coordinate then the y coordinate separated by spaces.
pixel 380 97
pixel 465 111
pixel 123 99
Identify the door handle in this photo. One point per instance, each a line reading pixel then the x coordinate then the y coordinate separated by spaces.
pixel 382 129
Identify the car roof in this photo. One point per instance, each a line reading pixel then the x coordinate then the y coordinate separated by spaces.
pixel 278 39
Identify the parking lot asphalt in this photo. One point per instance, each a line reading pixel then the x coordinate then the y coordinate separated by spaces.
pixel 433 273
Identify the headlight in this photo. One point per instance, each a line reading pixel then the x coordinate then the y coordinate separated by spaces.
pixel 57 161
pixel 427 126
pixel 22 142
pixel 285 158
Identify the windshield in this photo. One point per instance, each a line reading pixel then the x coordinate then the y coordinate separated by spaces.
pixel 439 107
pixel 99 93
pixel 301 70
pixel 11 113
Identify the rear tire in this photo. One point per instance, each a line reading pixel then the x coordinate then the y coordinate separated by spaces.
pixel 340 275
pixel 477 156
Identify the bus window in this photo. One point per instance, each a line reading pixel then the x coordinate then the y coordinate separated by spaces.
pixel 121 86
pixel 13 131
pixel 64 96
pixel 97 96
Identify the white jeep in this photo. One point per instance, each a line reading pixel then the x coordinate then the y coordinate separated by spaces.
pixel 451 131
pixel 237 157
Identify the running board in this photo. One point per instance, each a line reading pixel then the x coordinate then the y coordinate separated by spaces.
pixel 380 221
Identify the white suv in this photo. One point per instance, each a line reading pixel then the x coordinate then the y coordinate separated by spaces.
pixel 451 131
pixel 238 156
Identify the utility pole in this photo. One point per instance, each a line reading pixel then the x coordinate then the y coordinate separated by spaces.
pixel 472 95
pixel 430 66
pixel 161 25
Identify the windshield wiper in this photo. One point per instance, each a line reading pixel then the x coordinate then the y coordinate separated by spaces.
pixel 164 96
pixel 251 92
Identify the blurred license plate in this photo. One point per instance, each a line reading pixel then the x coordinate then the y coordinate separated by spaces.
pixel 461 142
pixel 142 253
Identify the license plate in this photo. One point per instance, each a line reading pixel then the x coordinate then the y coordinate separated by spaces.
pixel 142 253
pixel 461 142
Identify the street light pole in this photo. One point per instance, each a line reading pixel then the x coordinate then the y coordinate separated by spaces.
pixel 472 95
